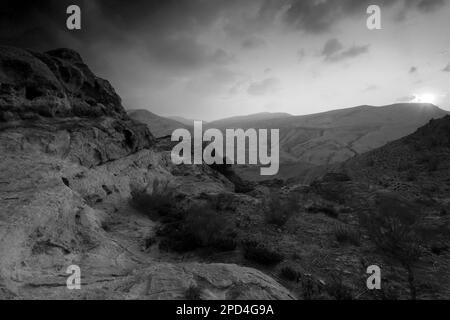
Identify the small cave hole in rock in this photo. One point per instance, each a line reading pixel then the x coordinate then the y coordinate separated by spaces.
pixel 65 181
pixel 106 189
pixel 32 93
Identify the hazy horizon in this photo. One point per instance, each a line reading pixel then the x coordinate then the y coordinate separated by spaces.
pixel 289 114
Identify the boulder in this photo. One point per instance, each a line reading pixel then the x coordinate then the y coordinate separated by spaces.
pixel 53 84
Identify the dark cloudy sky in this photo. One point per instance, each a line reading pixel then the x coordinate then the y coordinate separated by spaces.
pixel 210 59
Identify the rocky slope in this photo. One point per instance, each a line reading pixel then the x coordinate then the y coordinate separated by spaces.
pixel 70 158
pixel 417 165
pixel 324 243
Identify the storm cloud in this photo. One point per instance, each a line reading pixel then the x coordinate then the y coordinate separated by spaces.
pixel 333 51
pixel 155 50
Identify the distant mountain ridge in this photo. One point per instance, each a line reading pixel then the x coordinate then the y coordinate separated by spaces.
pixel 185 121
pixel 244 121
pixel 158 126
pixel 338 135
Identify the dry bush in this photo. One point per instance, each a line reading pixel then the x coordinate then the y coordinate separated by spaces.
pixel 279 211
pixel 209 228
pixel 161 203
pixel 345 234
pixel 185 230
pixel 198 227
pixel 395 229
pixel 258 252
pixel 327 210
pixel 289 273
pixel 338 290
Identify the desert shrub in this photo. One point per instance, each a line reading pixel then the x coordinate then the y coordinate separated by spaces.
pixel 345 234
pixel 329 211
pixel 222 201
pixel 404 166
pixel 430 161
pixel 155 204
pixel 395 229
pixel 225 243
pixel 178 242
pixel 338 290
pixel 186 230
pixel 279 211
pixel 193 293
pixel 309 289
pixel 198 227
pixel 289 273
pixel 260 253
pixel 209 228
pixel 439 248
pixel 296 256
pixel 336 177
pixel 411 176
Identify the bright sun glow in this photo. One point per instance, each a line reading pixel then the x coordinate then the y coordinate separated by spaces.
pixel 425 98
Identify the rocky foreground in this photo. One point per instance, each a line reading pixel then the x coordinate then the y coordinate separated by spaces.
pixel 70 158
pixel 73 167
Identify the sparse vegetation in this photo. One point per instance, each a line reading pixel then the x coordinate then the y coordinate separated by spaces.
pixel 260 253
pixel 403 165
pixel 309 289
pixel 430 161
pixel 152 205
pixel 411 176
pixel 394 229
pixel 345 234
pixel 209 228
pixel 439 248
pixel 289 273
pixel 329 211
pixel 279 210
pixel 198 227
pixel 338 290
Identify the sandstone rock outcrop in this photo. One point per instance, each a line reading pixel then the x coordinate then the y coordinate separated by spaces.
pixel 69 159
pixel 52 84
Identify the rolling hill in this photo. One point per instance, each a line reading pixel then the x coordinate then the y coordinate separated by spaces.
pixel 159 126
pixel 338 135
pixel 185 121
pixel 246 121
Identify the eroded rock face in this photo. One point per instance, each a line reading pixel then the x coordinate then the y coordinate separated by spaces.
pixel 56 213
pixel 69 161
pixel 89 142
pixel 52 84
